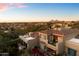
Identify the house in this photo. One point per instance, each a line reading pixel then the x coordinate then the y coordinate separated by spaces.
pixel 61 24
pixel 53 41
pixel 29 41
pixel 72 46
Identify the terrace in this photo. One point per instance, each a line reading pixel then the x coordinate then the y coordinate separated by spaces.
pixel 52 40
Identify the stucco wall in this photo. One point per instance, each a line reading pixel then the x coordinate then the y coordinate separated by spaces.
pixel 72 45
pixel 60 45
pixel 32 43
pixel 59 48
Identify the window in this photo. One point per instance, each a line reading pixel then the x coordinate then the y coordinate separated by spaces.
pixel 55 39
pixel 52 39
pixel 71 52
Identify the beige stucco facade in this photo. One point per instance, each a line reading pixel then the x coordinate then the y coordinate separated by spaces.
pixel 32 43
pixel 59 45
pixel 62 44
pixel 72 45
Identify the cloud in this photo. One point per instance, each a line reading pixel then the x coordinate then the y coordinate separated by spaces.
pixel 3 7
pixel 6 6
pixel 20 5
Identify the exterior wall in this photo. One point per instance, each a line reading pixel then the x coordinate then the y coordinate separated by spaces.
pixel 66 38
pixel 77 52
pixel 72 45
pixel 60 46
pixel 42 46
pixel 43 40
pixel 32 43
pixel 51 47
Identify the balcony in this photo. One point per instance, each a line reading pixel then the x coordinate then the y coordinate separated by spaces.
pixel 52 40
pixel 52 43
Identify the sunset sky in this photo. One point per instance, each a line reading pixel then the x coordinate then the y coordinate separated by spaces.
pixel 31 12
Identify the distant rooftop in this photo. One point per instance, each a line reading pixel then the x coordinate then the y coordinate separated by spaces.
pixel 61 32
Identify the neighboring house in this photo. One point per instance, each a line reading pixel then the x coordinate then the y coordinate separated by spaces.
pixel 72 46
pixel 53 41
pixel 61 25
pixel 29 41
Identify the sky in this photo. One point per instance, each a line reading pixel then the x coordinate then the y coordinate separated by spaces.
pixel 36 12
